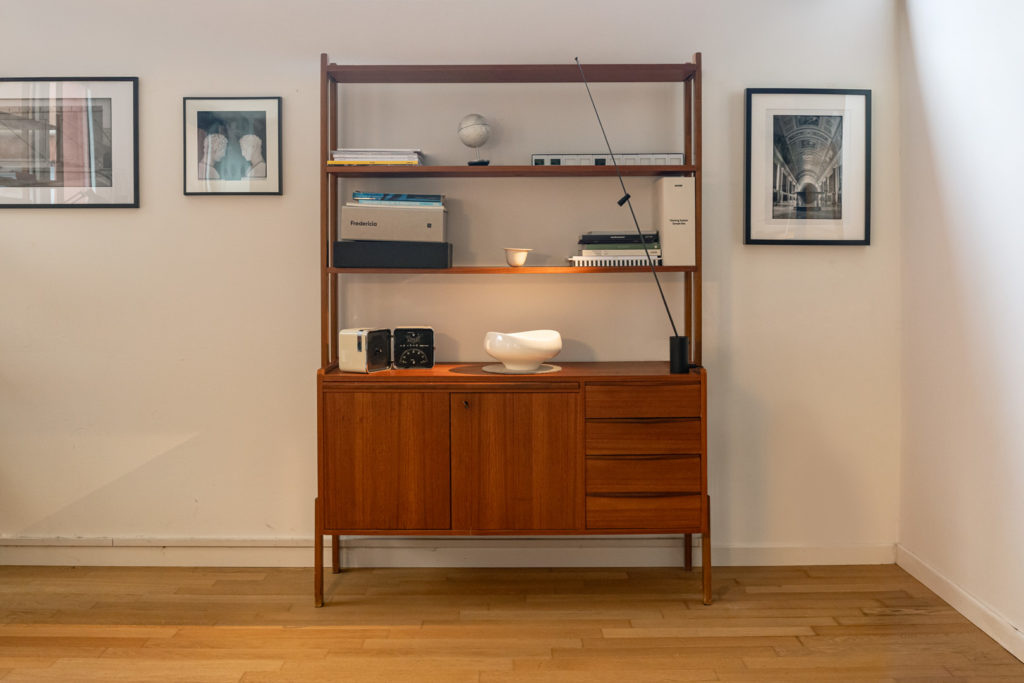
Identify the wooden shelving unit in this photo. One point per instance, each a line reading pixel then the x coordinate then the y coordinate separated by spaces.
pixel 615 448
pixel 688 75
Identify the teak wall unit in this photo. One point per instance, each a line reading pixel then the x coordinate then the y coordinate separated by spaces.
pixel 598 448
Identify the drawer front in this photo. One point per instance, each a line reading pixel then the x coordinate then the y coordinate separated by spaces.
pixel 643 400
pixel 643 437
pixel 609 511
pixel 643 474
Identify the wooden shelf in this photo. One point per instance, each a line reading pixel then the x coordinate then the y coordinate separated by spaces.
pixel 520 270
pixel 509 73
pixel 571 371
pixel 410 171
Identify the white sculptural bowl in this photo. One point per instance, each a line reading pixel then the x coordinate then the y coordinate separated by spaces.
pixel 523 351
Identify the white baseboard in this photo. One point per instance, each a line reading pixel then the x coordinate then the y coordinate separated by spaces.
pixel 363 551
pixel 981 615
pixel 789 555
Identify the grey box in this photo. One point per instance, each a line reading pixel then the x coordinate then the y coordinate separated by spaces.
pixel 394 224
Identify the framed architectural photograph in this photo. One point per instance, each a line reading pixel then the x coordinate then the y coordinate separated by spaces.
pixel 69 142
pixel 808 166
pixel 232 145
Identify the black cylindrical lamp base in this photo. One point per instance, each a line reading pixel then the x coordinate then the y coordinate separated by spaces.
pixel 679 355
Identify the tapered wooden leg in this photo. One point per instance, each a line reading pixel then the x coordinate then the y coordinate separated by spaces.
pixel 688 552
pixel 318 559
pixel 705 553
pixel 335 554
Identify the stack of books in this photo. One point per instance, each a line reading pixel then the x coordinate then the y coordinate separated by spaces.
pixel 611 249
pixel 395 199
pixel 393 230
pixel 361 156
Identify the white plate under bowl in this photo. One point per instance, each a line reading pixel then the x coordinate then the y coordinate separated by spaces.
pixel 502 370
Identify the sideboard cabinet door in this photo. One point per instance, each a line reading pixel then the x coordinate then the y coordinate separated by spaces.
pixel 515 461
pixel 386 462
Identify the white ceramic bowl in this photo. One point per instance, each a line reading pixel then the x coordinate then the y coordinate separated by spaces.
pixel 523 351
pixel 516 256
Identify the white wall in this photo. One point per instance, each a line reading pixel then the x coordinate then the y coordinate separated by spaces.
pixel 962 512
pixel 157 365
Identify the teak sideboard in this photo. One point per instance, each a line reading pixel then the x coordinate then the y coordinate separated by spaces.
pixel 596 448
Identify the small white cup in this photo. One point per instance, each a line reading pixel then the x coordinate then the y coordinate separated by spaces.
pixel 515 256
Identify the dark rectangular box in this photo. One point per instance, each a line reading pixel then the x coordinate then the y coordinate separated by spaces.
pixel 617 237
pixel 374 254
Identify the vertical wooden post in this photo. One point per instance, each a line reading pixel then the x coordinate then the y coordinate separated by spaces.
pixel 688 308
pixel 325 298
pixel 705 540
pixel 318 560
pixel 705 551
pixel 332 214
pixel 697 344
pixel 688 117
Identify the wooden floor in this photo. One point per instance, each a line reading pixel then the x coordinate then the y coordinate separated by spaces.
pixel 865 623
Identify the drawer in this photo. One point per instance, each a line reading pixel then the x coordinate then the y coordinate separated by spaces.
pixel 643 437
pixel 643 400
pixel 679 512
pixel 643 474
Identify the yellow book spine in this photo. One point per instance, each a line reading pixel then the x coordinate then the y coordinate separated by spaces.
pixel 372 162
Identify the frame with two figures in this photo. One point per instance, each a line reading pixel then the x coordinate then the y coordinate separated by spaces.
pixel 232 145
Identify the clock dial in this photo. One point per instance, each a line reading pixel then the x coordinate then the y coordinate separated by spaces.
pixel 414 347
pixel 413 358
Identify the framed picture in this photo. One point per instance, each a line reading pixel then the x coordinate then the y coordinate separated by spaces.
pixel 69 143
pixel 808 177
pixel 232 145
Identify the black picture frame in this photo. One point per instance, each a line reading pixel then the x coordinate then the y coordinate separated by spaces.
pixel 808 166
pixel 69 143
pixel 232 146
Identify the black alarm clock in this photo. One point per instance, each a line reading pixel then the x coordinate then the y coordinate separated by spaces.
pixel 414 347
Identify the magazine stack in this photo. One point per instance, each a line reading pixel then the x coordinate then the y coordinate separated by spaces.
pixel 617 249
pixel 365 156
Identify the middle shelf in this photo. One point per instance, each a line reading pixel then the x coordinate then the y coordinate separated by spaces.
pixel 414 171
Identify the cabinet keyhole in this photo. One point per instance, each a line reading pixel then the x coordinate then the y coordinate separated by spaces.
pixel 465 404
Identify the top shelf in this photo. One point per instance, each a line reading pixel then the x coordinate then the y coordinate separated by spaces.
pixel 510 73
pixel 412 171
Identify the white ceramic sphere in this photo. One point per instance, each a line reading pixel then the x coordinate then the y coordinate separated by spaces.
pixel 474 130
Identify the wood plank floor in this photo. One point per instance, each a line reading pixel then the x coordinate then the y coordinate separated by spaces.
pixel 863 623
